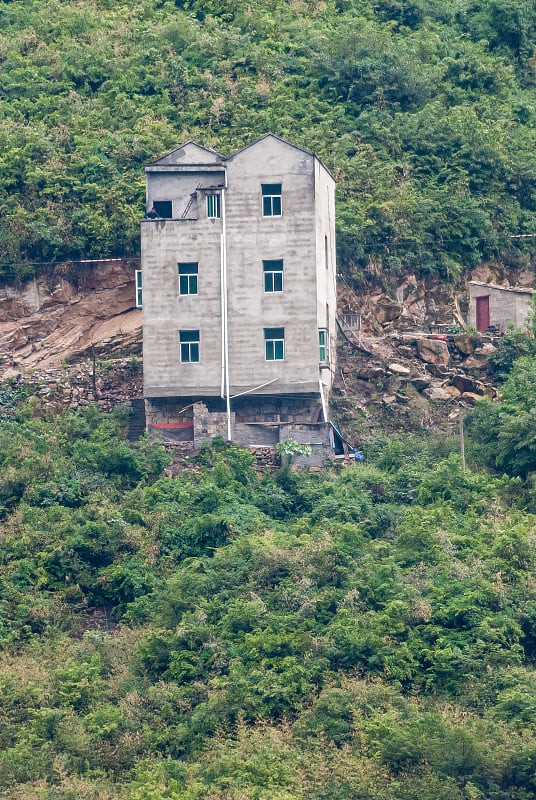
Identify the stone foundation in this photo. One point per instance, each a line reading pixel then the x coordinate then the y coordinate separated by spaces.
pixel 255 423
pixel 170 419
pixel 208 424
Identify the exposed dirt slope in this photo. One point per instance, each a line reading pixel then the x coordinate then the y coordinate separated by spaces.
pixel 60 317
pixel 76 336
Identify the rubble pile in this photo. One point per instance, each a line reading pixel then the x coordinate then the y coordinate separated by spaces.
pixel 396 372
pixel 108 383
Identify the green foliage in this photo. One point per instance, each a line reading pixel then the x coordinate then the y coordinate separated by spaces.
pixel 366 633
pixel 292 448
pixel 424 112
pixel 510 347
pixel 504 433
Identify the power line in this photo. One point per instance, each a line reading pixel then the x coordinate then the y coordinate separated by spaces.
pixel 67 261
pixel 368 246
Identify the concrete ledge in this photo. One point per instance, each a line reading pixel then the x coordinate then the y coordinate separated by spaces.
pixel 291 389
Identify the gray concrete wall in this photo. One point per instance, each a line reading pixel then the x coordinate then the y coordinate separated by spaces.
pixel 522 310
pixel 163 244
pixel 250 409
pixel 506 307
pixel 165 186
pixel 317 436
pixel 208 425
pixel 326 267
pixel 297 237
pixel 252 238
pixel 277 409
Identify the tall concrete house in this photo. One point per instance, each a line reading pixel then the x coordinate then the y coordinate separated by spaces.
pixel 239 296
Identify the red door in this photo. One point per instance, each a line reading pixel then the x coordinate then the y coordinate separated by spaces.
pixel 482 313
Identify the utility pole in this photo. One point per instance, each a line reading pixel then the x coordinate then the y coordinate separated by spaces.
pixel 461 418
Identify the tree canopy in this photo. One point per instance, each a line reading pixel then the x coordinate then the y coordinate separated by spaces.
pixel 360 633
pixel 424 111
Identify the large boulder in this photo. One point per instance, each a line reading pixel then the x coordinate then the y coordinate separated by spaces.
pixel 474 363
pixel 487 350
pixel 467 343
pixel 438 393
pixel 466 384
pixel 434 351
pixel 10 374
pixel 421 382
pixel 470 398
pixel 387 309
pixel 371 372
pixel 479 359
pixel 399 369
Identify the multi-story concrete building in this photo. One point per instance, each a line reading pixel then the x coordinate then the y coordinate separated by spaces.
pixel 239 296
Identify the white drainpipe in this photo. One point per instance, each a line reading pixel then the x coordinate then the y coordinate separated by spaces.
pixel 323 400
pixel 224 318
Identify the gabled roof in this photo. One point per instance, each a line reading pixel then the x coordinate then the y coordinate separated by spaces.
pixel 189 153
pixel 284 141
pixel 270 136
pixel 193 154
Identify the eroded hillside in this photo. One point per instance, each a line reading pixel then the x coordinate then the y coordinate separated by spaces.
pixel 75 335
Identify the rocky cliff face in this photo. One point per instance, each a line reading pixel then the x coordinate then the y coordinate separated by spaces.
pixel 396 373
pixel 63 316
pixel 75 336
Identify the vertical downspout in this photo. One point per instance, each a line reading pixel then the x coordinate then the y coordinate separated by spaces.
pixel 223 296
pixel 323 400
pixel 224 316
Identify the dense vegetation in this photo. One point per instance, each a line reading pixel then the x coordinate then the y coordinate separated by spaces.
pixel 225 635
pixel 425 111
pixel 369 633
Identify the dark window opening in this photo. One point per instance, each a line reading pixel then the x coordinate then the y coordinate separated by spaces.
pixel 271 200
pixel 189 346
pixel 188 272
pixel 139 288
pixel 274 344
pixel 164 208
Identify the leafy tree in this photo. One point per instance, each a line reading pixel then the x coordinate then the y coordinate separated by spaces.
pixel 506 431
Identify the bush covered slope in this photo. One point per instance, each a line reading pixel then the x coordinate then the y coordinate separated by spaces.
pixel 227 635
pixel 424 110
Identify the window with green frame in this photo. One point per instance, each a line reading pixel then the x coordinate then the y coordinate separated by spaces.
pixel 323 345
pixel 213 206
pixel 189 346
pixel 139 288
pixel 273 275
pixel 274 344
pixel 188 272
pixel 271 200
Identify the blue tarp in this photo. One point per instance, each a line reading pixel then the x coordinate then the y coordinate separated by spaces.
pixel 338 435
